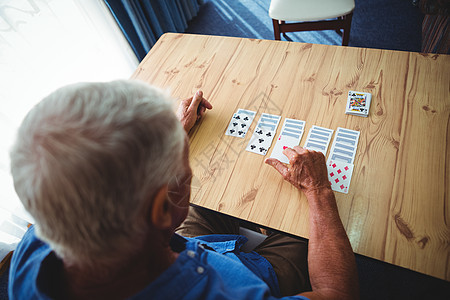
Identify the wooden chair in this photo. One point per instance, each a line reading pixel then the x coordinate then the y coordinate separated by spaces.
pixel 312 15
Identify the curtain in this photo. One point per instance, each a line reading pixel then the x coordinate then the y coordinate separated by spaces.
pixel 144 21
pixel 45 44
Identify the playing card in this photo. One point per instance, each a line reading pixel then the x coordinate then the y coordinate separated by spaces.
pixel 344 145
pixel 260 141
pixel 318 139
pixel 358 103
pixel 290 136
pixel 240 123
pixel 262 137
pixel 293 125
pixel 339 175
pixel 268 119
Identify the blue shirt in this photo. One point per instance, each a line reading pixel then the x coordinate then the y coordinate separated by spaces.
pixel 208 267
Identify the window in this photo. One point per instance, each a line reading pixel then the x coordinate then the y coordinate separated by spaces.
pixel 46 44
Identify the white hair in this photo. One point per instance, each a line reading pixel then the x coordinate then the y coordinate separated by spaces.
pixel 84 160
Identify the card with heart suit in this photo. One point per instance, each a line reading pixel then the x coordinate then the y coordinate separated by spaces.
pixel 262 137
pixel 290 136
pixel 240 123
pixel 339 175
pixel 344 145
pixel 318 139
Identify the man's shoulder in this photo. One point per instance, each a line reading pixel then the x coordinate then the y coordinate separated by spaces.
pixel 25 266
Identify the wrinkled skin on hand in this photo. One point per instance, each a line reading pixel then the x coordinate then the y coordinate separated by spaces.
pixel 306 171
pixel 192 110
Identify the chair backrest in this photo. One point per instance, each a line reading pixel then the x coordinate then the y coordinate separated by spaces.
pixel 309 10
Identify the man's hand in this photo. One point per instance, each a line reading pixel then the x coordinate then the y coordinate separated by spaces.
pixel 307 170
pixel 191 110
pixel 331 262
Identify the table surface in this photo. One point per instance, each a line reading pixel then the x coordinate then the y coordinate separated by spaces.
pixel 397 209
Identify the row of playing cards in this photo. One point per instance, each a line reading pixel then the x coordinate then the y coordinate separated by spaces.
pixel 358 103
pixel 342 153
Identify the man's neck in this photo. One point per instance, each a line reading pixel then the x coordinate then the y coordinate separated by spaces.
pixel 121 280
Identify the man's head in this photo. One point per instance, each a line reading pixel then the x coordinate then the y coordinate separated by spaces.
pixel 88 159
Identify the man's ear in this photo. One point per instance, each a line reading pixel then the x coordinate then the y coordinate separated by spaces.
pixel 160 213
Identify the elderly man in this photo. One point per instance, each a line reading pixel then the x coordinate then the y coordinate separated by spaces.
pixel 103 168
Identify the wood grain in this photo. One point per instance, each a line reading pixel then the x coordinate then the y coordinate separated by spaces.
pixel 397 209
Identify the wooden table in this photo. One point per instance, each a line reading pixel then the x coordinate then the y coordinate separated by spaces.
pixel 397 209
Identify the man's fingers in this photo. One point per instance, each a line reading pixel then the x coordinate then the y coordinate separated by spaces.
pixel 205 103
pixel 184 104
pixel 278 165
pixel 290 153
pixel 196 101
pixel 201 112
pixel 300 150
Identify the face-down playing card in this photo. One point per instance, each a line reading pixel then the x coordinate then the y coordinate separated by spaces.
pixel 240 123
pixel 318 139
pixel 262 137
pixel 290 136
pixel 344 145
